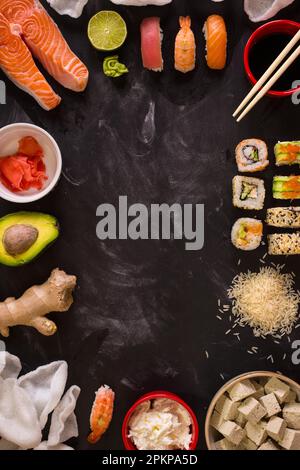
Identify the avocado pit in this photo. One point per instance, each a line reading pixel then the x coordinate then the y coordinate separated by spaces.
pixel 18 238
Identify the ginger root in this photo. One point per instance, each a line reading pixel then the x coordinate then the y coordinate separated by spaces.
pixel 55 295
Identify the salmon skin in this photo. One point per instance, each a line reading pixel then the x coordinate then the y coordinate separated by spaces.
pixel 46 42
pixel 216 42
pixel 151 39
pixel 185 47
pixel 17 63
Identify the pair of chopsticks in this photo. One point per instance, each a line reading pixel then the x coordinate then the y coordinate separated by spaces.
pixel 263 85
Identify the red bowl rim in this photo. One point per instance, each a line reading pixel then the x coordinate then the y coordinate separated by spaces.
pixel 249 45
pixel 128 444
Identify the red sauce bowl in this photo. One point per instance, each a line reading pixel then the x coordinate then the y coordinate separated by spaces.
pixel 273 27
pixel 128 444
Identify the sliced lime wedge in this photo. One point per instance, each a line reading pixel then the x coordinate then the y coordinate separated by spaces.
pixel 107 30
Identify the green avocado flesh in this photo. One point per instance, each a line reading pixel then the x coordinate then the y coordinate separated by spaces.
pixel 242 232
pixel 24 235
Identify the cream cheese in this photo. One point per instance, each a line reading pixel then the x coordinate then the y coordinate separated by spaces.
pixel 160 425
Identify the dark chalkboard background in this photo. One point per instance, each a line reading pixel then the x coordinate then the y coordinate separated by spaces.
pixel 145 312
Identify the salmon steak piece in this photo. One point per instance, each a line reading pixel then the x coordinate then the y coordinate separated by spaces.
pixel 45 41
pixel 17 63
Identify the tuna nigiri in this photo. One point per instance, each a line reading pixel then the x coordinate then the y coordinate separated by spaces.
pixel 216 42
pixel 185 47
pixel 151 39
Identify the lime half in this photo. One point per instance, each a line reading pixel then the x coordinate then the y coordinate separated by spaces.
pixel 107 30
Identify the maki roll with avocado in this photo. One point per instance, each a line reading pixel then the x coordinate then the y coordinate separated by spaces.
pixel 285 244
pixel 284 217
pixel 248 193
pixel 287 153
pixel 251 156
pixel 246 234
pixel 286 187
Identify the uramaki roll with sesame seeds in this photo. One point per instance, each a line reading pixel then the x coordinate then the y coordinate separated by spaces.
pixel 285 244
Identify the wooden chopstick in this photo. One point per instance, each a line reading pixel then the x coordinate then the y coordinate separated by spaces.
pixel 270 83
pixel 268 72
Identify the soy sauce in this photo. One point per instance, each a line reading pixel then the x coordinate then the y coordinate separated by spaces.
pixel 265 51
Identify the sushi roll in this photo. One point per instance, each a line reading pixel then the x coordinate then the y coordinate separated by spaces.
pixel 286 187
pixel 215 34
pixel 287 153
pixel 246 234
pixel 251 156
pixel 248 193
pixel 284 217
pixel 151 41
pixel 284 244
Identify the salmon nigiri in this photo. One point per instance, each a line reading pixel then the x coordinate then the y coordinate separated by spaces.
pixel 216 42
pixel 151 39
pixel 185 47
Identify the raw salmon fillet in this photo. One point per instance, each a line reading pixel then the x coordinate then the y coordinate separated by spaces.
pixel 17 62
pixel 46 42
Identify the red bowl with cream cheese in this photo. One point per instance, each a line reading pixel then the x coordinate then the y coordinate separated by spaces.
pixel 128 444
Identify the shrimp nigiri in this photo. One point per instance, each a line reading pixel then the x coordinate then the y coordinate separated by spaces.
pixel 185 47
pixel 216 42
pixel 101 414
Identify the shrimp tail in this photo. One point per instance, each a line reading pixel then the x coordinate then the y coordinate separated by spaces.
pixel 185 22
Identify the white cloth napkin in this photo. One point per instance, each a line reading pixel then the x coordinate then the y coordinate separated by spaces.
pixel 72 8
pixel 26 403
pixel 141 3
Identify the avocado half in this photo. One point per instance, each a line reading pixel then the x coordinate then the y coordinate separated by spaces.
pixel 24 235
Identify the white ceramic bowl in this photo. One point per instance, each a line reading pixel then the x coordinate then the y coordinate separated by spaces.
pixel 9 138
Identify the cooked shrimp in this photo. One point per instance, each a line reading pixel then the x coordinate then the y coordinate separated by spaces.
pixel 185 47
pixel 101 414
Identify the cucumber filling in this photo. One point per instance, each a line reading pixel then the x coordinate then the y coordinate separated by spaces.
pixel 249 191
pixel 251 153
